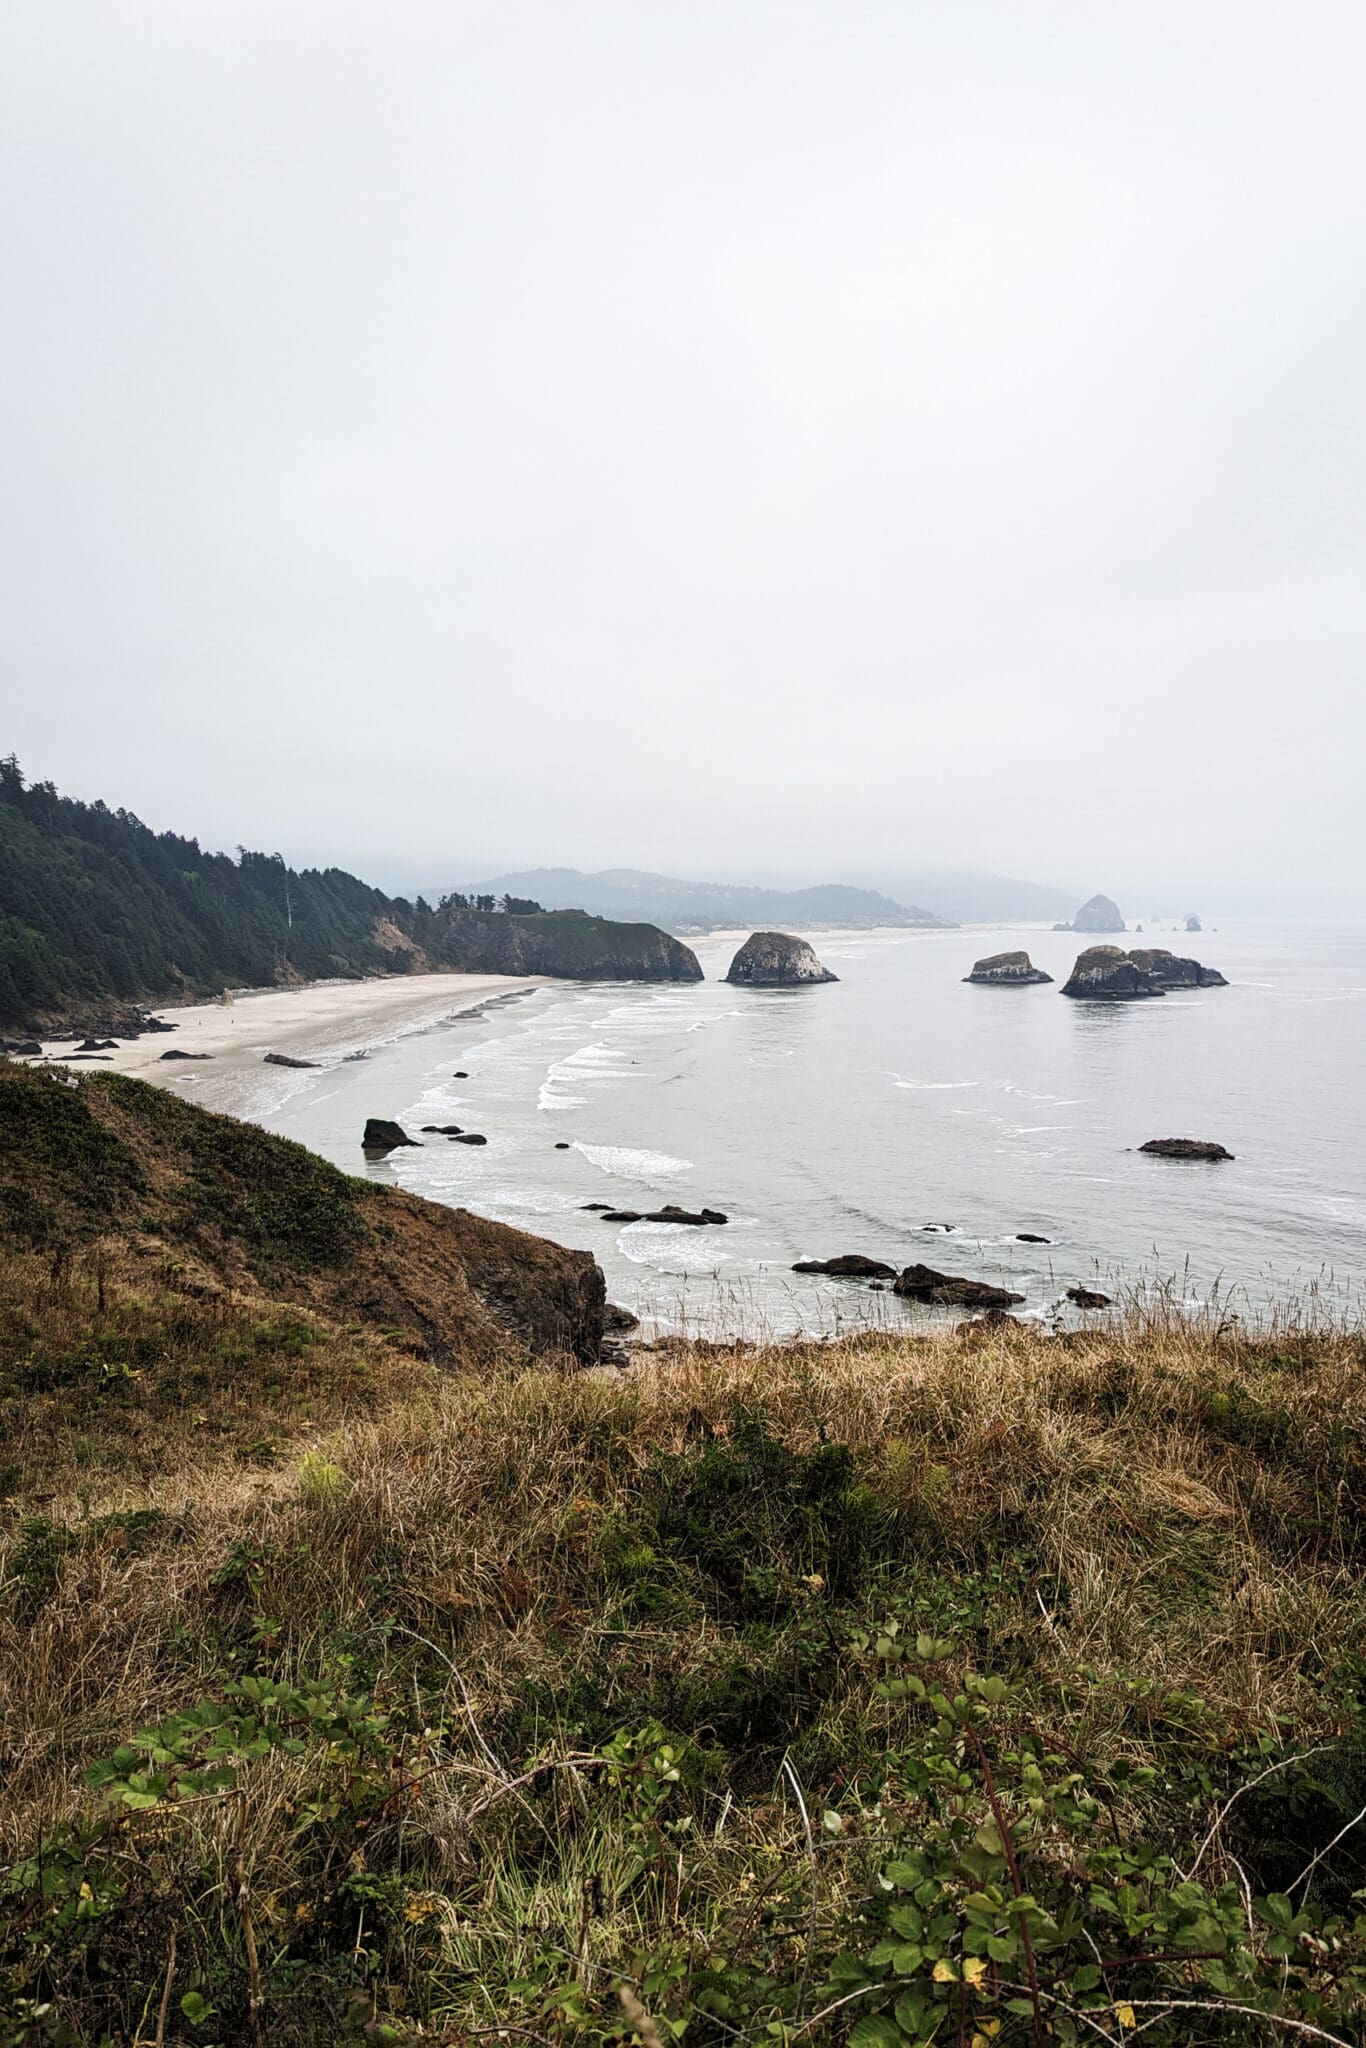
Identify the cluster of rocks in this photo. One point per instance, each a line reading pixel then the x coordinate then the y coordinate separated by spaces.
pixel 671 1213
pixel 776 960
pixel 1103 974
pixel 1107 974
pixel 928 1285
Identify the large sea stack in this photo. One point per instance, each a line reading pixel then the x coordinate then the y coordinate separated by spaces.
pixel 1107 974
pixel 1007 970
pixel 1099 914
pixel 776 960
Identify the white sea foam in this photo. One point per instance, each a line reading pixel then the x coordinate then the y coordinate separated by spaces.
pixel 629 1163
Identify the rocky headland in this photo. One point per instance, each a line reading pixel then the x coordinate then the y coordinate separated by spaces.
pixel 1007 970
pixel 776 960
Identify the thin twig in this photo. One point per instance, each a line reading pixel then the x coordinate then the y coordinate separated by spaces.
pixel 1327 1850
pixel 1008 1847
pixel 1223 1813
pixel 815 1889
pixel 1251 2012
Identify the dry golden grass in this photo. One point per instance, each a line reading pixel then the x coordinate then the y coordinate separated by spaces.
pixel 1157 1530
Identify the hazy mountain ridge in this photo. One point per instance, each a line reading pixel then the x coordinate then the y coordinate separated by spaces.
pixel 688 907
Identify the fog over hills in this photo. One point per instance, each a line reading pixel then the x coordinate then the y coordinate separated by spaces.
pixel 685 906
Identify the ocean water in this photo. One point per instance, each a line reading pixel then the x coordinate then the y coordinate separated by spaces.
pixel 900 1113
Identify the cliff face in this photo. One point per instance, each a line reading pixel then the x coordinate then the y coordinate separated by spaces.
pixel 776 960
pixel 567 944
pixel 241 1208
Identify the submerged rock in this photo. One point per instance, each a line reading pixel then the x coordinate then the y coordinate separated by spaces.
pixel 848 1266
pixel 1006 970
pixel 776 960
pixel 380 1134
pixel 283 1059
pixel 1031 1237
pixel 1107 974
pixel 443 1130
pixel 467 1137
pixel 1174 972
pixel 951 1290
pixel 1087 1297
pixel 1185 1148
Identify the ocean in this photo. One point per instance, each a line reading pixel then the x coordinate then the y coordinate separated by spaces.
pixel 903 1114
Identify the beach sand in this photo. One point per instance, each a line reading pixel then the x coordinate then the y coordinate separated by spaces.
pixel 322 1021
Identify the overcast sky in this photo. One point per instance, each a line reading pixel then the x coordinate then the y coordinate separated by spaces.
pixel 742 437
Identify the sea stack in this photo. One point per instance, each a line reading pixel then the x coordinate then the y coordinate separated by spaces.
pixel 1006 970
pixel 776 960
pixel 1099 914
pixel 1107 974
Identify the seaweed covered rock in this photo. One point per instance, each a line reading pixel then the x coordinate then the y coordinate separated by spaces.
pixel 776 960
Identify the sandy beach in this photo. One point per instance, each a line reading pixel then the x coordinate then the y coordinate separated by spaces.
pixel 323 1021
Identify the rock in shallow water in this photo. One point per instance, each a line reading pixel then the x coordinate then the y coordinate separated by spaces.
pixel 383 1136
pixel 776 960
pixel 848 1266
pixel 1185 1148
pixel 951 1290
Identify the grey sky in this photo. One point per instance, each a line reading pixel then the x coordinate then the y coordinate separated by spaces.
pixel 732 437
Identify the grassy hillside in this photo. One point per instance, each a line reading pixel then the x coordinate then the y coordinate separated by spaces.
pixel 98 913
pixel 984 1690
pixel 84 1160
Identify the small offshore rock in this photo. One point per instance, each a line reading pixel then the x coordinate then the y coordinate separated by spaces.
pixel 1185 1148
pixel 848 1266
pixel 98 1045
pixel 1031 1237
pixel 380 1134
pixel 1107 974
pixel 283 1059
pixel 618 1319
pixel 1006 970
pixel 1087 1297
pixel 776 960
pixel 951 1290
pixel 24 1048
pixel 991 1319
pixel 602 1208
pixel 175 1053
pixel 460 1075
pixel 563 1145
pixel 622 1216
pixel 467 1137
pixel 443 1130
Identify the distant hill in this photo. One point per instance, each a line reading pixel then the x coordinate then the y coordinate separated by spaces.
pixel 99 913
pixel 691 907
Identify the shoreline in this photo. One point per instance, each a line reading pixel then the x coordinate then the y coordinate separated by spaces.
pixel 322 1021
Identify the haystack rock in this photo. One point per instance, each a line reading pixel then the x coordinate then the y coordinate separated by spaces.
pixel 1174 972
pixel 1098 915
pixel 1193 923
pixel 1006 970
pixel 776 960
pixel 1107 974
